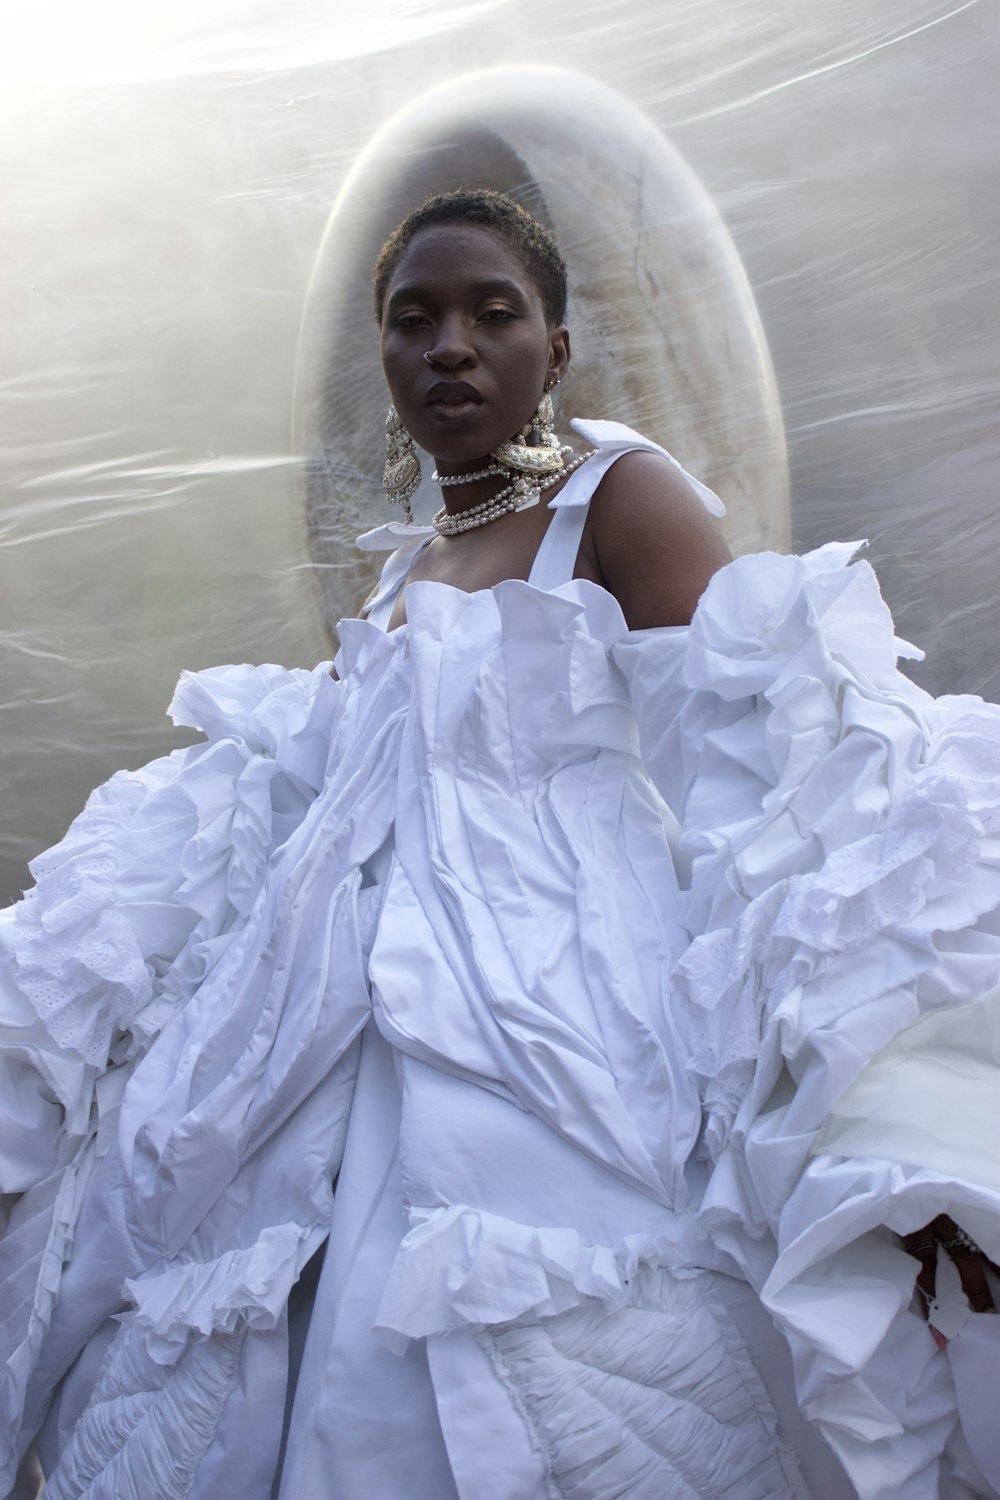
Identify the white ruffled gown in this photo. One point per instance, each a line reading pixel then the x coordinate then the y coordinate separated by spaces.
pixel 421 927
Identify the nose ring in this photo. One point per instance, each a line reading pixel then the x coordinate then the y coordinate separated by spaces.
pixel 428 357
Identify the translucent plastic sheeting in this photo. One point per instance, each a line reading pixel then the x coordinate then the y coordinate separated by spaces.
pixel 168 173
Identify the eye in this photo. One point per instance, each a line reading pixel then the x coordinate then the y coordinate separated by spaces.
pixel 498 314
pixel 410 320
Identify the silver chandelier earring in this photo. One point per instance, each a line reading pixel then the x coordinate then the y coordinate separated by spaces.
pixel 535 449
pixel 401 475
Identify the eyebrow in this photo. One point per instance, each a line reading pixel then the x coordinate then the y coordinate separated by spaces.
pixel 493 286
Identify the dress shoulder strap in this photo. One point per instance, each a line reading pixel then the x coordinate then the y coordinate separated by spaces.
pixel 378 608
pixel 555 560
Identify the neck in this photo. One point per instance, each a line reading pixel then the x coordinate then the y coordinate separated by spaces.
pixel 472 483
pixel 522 493
pixel 465 493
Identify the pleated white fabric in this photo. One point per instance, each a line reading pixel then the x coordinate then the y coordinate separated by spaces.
pixel 632 912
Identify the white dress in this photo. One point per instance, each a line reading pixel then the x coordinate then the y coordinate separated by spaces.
pixel 423 928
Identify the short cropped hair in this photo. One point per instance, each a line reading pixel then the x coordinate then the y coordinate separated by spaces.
pixel 530 241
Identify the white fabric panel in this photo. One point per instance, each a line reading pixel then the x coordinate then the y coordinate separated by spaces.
pixel 665 1051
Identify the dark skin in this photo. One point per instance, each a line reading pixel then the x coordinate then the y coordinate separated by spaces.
pixel 971 1264
pixel 467 352
pixel 461 297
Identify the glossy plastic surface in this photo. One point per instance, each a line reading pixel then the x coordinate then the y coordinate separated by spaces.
pixel 168 176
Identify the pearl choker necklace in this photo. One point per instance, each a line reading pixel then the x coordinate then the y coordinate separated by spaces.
pixel 520 495
pixel 488 473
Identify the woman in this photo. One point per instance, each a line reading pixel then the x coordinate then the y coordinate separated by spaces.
pixel 454 298
pixel 419 930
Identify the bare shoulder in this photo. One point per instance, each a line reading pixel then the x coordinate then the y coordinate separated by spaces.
pixel 652 542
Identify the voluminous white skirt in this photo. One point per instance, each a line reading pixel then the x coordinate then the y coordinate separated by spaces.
pixel 655 1400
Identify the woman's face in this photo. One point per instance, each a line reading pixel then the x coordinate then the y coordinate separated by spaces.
pixel 461 297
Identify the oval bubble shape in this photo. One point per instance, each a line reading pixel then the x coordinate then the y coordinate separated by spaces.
pixel 666 335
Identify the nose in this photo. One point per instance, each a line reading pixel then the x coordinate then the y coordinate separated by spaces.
pixel 451 348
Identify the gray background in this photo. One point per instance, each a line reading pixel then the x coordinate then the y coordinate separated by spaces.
pixel 166 179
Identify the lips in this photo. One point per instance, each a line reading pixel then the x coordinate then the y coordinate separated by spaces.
pixel 452 395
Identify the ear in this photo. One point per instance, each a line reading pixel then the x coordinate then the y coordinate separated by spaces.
pixel 559 354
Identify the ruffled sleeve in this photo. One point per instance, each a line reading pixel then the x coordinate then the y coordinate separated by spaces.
pixel 130 913
pixel 135 905
pixel 841 828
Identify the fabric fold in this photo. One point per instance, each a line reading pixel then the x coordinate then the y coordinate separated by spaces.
pixel 164 863
pixel 712 908
pixel 248 1286
pixel 462 1265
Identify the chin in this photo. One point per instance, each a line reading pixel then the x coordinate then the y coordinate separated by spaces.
pixel 452 446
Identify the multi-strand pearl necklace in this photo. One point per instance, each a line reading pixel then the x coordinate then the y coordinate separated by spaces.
pixel 518 495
